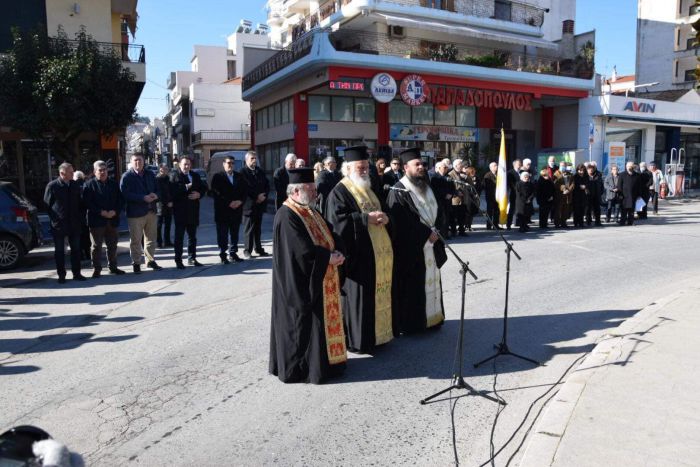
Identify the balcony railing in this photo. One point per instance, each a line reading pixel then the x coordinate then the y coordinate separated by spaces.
pixel 415 48
pixel 133 53
pixel 285 57
pixel 215 135
pixel 506 10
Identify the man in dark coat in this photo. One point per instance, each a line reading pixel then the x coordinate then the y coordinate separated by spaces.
pixel 255 205
pixel 419 252
pixel 544 189
pixel 280 179
pixel 229 190
pixel 525 194
pixel 104 203
pixel 307 340
pixel 359 218
pixel 164 207
pixel 492 209
pixel 647 180
pixel 458 208
pixel 594 193
pixel 62 197
pixel 630 189
pixel 186 189
pixel 580 194
pixel 326 181
pixel 444 190
pixel 512 178
pixel 395 173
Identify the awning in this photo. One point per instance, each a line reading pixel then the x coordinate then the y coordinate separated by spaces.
pixel 654 121
pixel 447 28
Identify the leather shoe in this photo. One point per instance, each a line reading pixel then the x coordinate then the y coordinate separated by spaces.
pixel 116 271
pixel 236 259
pixel 79 277
pixel 194 262
pixel 96 273
pixel 179 265
pixel 262 253
pixel 61 280
pixel 246 254
pixel 137 268
pixel 224 260
pixel 153 265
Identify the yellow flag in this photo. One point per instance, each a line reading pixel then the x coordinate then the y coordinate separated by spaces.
pixel 502 182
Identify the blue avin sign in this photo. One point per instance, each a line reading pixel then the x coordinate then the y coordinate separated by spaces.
pixel 633 106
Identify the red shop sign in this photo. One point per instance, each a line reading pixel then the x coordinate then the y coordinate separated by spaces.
pixel 441 95
pixel 413 90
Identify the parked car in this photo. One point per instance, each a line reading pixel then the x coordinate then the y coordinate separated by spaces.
pixel 20 231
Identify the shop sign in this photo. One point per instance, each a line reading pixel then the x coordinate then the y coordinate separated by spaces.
pixel 413 90
pixel 634 106
pixel 202 112
pixel 312 127
pixel 441 95
pixel 433 133
pixel 383 88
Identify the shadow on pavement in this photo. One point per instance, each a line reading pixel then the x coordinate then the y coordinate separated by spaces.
pixel 103 299
pixel 55 342
pixel 47 323
pixel 432 354
pixel 17 370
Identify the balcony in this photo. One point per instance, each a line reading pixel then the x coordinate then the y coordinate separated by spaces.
pixel 133 56
pixel 217 136
pixel 296 50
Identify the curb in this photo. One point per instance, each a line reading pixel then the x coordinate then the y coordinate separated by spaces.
pixel 544 443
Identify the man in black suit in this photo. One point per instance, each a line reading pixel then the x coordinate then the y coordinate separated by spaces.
pixel 62 196
pixel 186 189
pixel 255 204
pixel 229 190
pixel 512 177
pixel 326 181
pixel 492 208
pixel 280 179
pixel 631 189
pixel 393 176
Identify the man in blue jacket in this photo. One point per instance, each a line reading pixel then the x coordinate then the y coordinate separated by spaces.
pixel 62 197
pixel 104 203
pixel 140 191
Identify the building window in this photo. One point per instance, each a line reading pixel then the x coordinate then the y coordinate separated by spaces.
pixel 342 109
pixel 445 117
pixel 503 10
pixel 277 114
pixel 364 110
pixel 264 125
pixel 285 111
pixel 231 69
pixel 423 114
pixel 466 116
pixel 690 75
pixel 399 112
pixel 319 108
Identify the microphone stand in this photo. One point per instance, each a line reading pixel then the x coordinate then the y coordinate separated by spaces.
pixel 458 378
pixel 502 347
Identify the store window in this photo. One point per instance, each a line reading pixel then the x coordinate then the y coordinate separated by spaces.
pixel 277 114
pixel 342 109
pixel 466 116
pixel 319 108
pixel 445 116
pixel 423 114
pixel 285 111
pixel 264 125
pixel 364 110
pixel 399 112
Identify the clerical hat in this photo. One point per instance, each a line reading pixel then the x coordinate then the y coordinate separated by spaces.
pixel 410 154
pixel 356 153
pixel 303 175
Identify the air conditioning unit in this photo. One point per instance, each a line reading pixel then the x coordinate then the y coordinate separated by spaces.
pixel 396 31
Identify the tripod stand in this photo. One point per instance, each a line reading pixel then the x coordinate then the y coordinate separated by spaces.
pixel 459 382
pixel 502 347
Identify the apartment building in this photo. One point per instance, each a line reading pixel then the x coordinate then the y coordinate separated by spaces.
pixel 28 164
pixel 206 113
pixel 443 74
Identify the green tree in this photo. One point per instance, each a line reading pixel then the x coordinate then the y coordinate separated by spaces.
pixel 54 89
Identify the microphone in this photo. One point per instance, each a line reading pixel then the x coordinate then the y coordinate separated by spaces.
pixel 394 188
pixel 459 182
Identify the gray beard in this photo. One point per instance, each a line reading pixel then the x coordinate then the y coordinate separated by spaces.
pixel 420 182
pixel 361 181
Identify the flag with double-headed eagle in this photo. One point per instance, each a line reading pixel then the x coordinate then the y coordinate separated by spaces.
pixel 502 182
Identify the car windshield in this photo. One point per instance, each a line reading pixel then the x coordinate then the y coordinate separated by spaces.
pixel 16 195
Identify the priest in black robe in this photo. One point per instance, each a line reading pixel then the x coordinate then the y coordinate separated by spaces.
pixel 359 217
pixel 307 339
pixel 419 253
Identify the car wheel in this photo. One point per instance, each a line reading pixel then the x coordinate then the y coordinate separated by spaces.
pixel 11 252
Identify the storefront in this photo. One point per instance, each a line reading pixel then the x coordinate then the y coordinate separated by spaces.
pixel 634 129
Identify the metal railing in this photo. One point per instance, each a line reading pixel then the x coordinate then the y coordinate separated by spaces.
pixel 134 53
pixel 285 57
pixel 415 48
pixel 220 135
pixel 506 10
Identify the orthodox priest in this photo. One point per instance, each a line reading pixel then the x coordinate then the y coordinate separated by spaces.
pixel 307 340
pixel 419 252
pixel 359 218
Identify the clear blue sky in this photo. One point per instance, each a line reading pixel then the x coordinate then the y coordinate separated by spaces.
pixel 168 30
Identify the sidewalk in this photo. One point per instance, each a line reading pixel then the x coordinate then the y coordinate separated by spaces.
pixel 633 401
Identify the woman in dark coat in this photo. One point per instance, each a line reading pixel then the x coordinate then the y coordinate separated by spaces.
pixel 524 195
pixel 580 194
pixel 471 198
pixel 545 196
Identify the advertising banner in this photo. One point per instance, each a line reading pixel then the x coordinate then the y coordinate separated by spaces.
pixel 433 133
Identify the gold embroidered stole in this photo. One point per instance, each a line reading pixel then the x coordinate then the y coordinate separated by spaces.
pixel 427 207
pixel 383 262
pixel 332 313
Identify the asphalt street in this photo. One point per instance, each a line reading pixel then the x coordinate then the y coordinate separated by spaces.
pixel 170 367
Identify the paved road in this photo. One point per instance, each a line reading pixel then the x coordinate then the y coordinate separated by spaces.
pixel 171 367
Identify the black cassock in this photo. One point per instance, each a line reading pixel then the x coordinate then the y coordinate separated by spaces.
pixel 347 221
pixel 297 333
pixel 410 235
